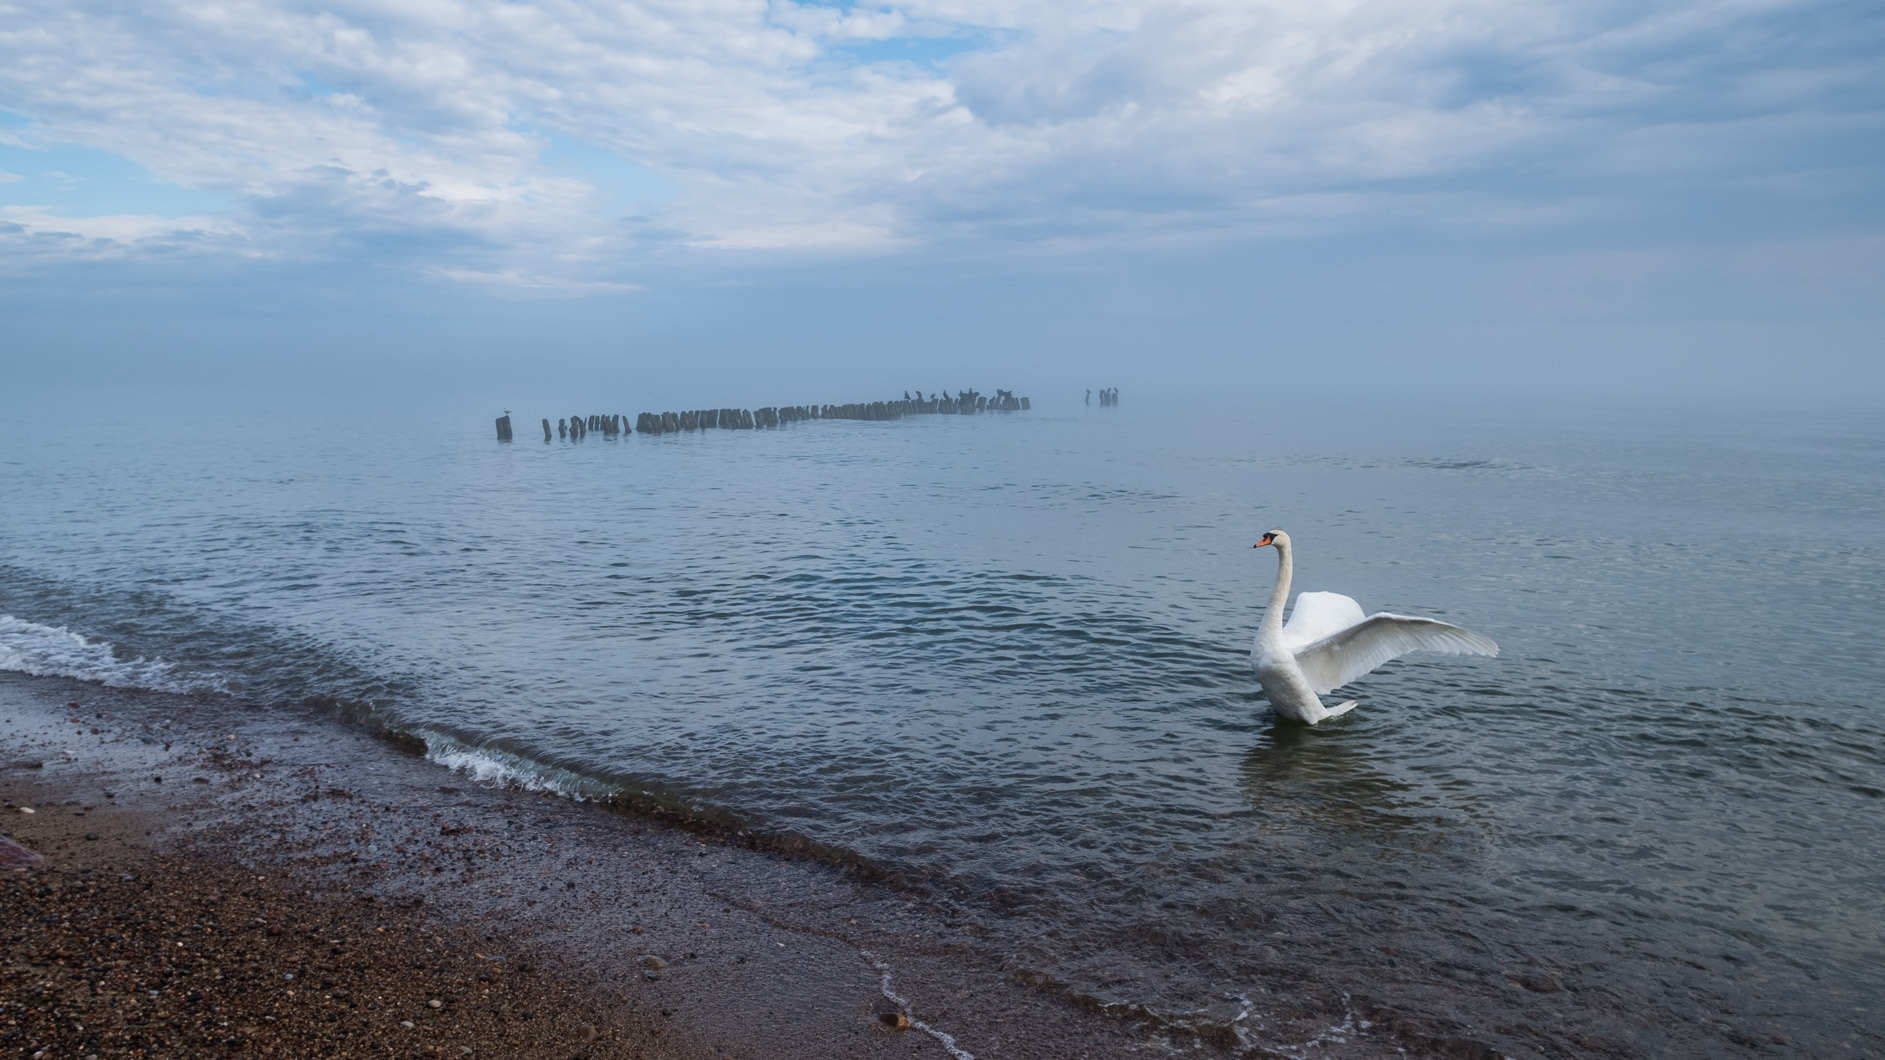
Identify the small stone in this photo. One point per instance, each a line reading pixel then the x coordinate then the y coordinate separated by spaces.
pixel 406 1024
pixel 652 961
pixel 587 1034
pixel 91 835
pixel 896 1021
pixel 435 1003
pixel 28 809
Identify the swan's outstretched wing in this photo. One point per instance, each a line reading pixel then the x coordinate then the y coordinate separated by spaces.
pixel 1342 656
pixel 1318 615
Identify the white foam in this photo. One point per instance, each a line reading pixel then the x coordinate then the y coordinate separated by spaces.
pixel 1334 1035
pixel 948 1040
pixel 485 765
pixel 55 651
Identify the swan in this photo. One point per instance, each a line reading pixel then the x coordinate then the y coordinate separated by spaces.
pixel 1328 642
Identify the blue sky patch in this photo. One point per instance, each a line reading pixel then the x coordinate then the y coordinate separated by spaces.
pixel 84 182
pixel 621 186
pixel 313 85
pixel 922 51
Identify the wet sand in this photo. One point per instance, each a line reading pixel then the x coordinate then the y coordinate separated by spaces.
pixel 209 851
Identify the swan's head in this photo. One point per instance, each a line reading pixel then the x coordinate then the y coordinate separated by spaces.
pixel 1274 537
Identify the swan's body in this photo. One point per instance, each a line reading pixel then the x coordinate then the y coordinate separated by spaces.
pixel 1328 642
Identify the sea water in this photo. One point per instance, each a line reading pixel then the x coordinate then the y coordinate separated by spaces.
pixel 1002 661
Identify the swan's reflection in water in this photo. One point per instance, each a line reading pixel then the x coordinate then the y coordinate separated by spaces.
pixel 1349 865
pixel 1323 777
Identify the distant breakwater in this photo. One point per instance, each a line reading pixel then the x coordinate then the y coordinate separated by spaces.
pixel 612 424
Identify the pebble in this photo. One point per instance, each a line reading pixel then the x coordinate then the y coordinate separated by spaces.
pixel 652 961
pixel 896 1021
pixel 435 1003
pixel 406 1024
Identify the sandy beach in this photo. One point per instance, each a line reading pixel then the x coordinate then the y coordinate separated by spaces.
pixel 220 879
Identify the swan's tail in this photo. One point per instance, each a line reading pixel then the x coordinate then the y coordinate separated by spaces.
pixel 1335 712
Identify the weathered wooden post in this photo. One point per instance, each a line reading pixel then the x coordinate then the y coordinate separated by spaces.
pixel 504 428
pixel 546 430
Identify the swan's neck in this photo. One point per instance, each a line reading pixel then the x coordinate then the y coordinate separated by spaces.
pixel 1279 596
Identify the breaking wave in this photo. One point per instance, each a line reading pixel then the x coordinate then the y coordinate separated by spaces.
pixel 55 651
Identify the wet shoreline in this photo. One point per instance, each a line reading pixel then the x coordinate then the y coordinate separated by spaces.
pixel 754 953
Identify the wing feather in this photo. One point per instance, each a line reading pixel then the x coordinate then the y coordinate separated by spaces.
pixel 1339 657
pixel 1318 615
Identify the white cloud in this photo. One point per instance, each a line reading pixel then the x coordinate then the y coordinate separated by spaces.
pixel 35 235
pixel 1068 123
pixel 10 178
pixel 520 282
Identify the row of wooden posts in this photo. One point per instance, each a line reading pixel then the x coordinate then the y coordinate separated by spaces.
pixel 964 402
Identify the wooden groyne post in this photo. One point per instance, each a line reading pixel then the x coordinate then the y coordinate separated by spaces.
pixel 504 427
pixel 610 424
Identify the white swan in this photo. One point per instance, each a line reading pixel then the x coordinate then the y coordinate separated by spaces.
pixel 1329 642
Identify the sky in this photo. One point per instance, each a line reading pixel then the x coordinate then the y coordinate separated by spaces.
pixel 738 201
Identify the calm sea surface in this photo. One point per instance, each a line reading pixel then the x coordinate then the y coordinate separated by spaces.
pixel 1004 658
